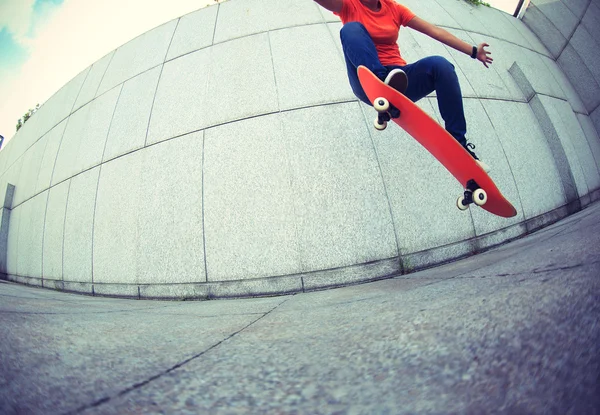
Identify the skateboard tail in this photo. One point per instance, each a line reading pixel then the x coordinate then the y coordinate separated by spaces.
pixel 435 139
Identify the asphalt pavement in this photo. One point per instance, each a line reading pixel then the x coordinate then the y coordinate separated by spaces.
pixel 513 330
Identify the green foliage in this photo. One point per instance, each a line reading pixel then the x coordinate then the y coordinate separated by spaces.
pixel 27 116
pixel 478 3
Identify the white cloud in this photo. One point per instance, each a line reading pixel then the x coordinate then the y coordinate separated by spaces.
pixel 74 36
pixel 16 16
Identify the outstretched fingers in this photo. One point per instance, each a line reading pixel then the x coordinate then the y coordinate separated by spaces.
pixel 483 55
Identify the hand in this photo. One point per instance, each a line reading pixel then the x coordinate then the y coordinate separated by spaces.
pixel 482 55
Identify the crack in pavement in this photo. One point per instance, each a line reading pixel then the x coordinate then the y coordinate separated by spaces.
pixel 138 385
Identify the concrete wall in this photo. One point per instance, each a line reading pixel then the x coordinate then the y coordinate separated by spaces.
pixel 570 29
pixel 223 154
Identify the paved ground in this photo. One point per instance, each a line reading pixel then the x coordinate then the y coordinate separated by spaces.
pixel 514 330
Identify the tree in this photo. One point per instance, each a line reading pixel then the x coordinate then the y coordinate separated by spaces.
pixel 27 116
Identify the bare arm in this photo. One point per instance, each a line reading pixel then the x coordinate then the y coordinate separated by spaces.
pixel 331 5
pixel 449 39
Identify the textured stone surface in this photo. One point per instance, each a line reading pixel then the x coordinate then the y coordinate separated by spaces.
pixel 591 135
pixel 85 136
pixel 538 181
pixel 31 231
pixel 431 201
pixel 129 124
pixel 92 81
pixel 528 39
pixel 230 81
pixel 465 14
pixel 169 213
pixel 588 49
pixel 194 31
pixel 516 327
pixel 573 140
pixel 581 77
pixel 308 69
pixel 32 160
pixel 595 117
pixel 247 17
pixel 54 232
pixel 432 12
pixel 114 252
pixel 534 67
pixel 570 93
pixel 52 144
pixel 578 7
pixel 138 55
pixel 59 106
pixel 541 25
pixel 548 113
pixel 591 19
pixel 159 216
pixel 79 221
pixel 559 14
pixel 342 215
pixel 250 211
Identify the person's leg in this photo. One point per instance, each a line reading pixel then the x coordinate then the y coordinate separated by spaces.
pixel 436 73
pixel 359 49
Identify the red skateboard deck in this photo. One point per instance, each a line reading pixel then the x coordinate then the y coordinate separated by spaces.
pixel 439 143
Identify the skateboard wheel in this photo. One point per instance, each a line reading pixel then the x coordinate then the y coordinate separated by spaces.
pixel 460 204
pixel 381 104
pixel 379 126
pixel 479 197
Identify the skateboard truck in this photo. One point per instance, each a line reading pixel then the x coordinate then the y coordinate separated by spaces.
pixel 473 194
pixel 385 112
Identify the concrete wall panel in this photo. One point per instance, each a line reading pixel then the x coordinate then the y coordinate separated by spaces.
pixel 581 77
pixel 60 105
pixel 12 248
pixel 342 213
pixel 52 145
pixel 242 18
pixel 95 75
pixel 591 20
pixel 571 138
pixel 543 27
pixel 116 230
pixel 308 68
pixel 85 136
pixel 31 230
pixel 169 246
pixel 538 181
pixel 140 54
pixel 32 160
pixel 194 31
pixel 54 231
pixel 592 138
pixel 230 81
pixel 79 220
pixel 129 124
pixel 250 212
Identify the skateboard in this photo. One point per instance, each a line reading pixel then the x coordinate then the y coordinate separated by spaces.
pixel 479 188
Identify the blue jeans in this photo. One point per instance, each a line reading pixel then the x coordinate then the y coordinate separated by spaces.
pixel 430 74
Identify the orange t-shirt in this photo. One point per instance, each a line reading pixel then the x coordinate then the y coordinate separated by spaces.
pixel 383 26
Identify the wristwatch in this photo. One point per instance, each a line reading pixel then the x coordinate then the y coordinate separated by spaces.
pixel 474 53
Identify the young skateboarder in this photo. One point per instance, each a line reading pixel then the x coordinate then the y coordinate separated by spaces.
pixel 369 37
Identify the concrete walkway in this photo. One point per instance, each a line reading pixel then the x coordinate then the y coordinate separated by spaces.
pixel 513 330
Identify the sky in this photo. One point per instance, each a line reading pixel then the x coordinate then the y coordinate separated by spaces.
pixel 45 43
